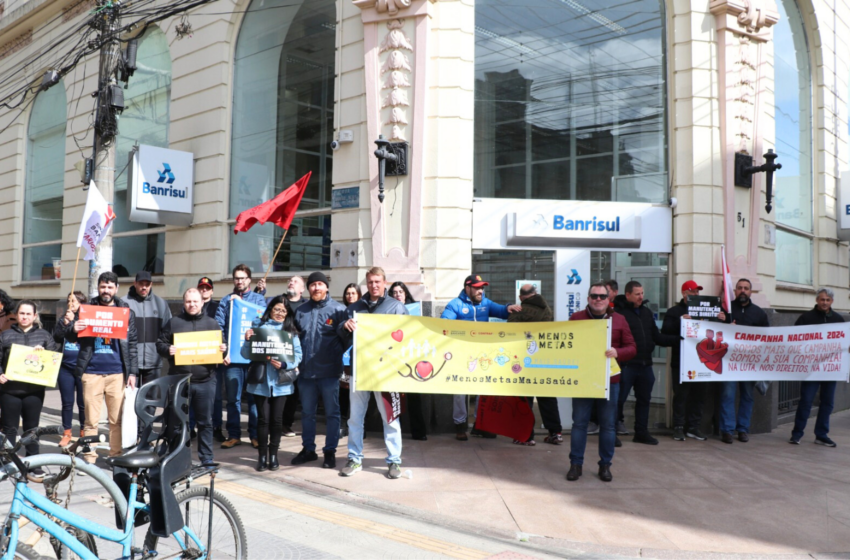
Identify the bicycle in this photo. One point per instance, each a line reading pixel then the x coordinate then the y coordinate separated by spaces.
pixel 152 470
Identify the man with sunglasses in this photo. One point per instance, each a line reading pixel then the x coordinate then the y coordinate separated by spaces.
pixel 236 374
pixel 623 349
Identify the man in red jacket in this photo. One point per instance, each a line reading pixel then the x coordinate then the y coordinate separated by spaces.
pixel 623 349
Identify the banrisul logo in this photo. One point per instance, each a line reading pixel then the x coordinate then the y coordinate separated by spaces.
pixel 167 177
pixel 586 225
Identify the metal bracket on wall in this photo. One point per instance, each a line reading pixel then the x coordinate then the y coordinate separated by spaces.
pixel 742 163
pixel 399 166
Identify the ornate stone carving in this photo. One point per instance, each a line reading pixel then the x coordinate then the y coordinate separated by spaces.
pixel 396 79
pixel 396 39
pixel 397 116
pixel 396 61
pixel 751 16
pixel 396 135
pixel 391 7
pixel 397 97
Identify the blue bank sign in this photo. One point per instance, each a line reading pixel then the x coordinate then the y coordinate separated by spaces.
pixel 162 182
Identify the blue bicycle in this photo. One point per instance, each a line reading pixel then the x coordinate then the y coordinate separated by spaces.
pixel 196 523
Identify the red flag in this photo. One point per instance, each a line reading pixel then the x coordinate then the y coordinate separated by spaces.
pixel 280 210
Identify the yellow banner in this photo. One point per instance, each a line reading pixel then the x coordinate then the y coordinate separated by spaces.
pixel 425 355
pixel 202 347
pixel 39 367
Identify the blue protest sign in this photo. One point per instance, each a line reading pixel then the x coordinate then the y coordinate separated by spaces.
pixel 242 314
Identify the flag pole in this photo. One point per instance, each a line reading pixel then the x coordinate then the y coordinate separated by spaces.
pixel 76 264
pixel 274 258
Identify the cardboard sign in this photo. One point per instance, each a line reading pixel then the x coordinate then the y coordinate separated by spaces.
pixel 105 321
pixel 202 347
pixel 271 344
pixel 704 307
pixel 39 367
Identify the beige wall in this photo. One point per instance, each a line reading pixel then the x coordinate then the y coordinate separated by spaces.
pixel 201 116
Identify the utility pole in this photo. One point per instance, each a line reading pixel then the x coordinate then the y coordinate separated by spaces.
pixel 110 102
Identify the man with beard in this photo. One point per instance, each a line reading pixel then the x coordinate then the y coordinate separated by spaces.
pixel 151 314
pixel 472 305
pixel 746 313
pixel 105 366
pixel 294 293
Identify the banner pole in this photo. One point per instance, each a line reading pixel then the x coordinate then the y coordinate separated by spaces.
pixel 271 264
pixel 76 264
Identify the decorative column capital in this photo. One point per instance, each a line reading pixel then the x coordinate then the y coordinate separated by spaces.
pixel 373 11
pixel 752 18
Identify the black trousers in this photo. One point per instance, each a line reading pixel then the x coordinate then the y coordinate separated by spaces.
pixel 416 410
pixel 26 408
pixel 290 406
pixel 688 402
pixel 201 400
pixel 269 421
pixel 549 412
pixel 642 379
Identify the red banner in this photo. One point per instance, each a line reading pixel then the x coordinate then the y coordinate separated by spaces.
pixel 106 322
pixel 506 416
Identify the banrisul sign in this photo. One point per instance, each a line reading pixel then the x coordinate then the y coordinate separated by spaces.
pixel 162 184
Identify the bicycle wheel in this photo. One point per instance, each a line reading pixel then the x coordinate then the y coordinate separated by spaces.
pixel 228 534
pixel 65 553
pixel 24 552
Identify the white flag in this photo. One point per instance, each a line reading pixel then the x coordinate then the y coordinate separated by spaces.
pixel 727 281
pixel 96 221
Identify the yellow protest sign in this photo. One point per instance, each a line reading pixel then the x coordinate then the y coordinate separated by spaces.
pixel 39 367
pixel 425 355
pixel 202 347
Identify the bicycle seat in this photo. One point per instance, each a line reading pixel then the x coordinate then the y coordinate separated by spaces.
pixel 134 460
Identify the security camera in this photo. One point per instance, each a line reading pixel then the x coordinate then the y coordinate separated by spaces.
pixel 673 202
pixel 335 145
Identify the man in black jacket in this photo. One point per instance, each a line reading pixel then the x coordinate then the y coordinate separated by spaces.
pixel 822 313
pixel 688 397
pixel 638 372
pixel 151 313
pixel 744 312
pixel 206 287
pixel 105 365
pixel 203 383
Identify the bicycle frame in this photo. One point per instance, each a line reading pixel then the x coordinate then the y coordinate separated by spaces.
pixel 24 496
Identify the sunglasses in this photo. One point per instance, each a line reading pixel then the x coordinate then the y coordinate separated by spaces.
pixel 597 296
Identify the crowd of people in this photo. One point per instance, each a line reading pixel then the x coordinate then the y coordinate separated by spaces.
pixel 95 370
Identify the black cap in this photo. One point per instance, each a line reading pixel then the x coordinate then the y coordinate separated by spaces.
pixel 317 277
pixel 143 276
pixel 475 281
pixel 205 281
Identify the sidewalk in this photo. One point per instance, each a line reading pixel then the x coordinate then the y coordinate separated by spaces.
pixel 762 497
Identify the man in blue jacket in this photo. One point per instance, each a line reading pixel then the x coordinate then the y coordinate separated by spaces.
pixel 236 374
pixel 321 367
pixel 471 305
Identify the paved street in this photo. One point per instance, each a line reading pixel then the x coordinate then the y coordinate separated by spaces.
pixel 479 499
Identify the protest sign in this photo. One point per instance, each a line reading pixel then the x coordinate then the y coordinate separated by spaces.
pixel 105 321
pixel 414 308
pixel 39 367
pixel 704 307
pixel 272 344
pixel 242 314
pixel 426 355
pixel 721 352
pixel 202 347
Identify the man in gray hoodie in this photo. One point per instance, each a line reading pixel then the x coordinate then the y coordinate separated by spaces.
pixel 151 314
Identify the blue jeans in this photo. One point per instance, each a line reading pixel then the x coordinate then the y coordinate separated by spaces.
pixel 606 412
pixel 311 390
pixel 71 387
pixel 234 376
pixel 808 389
pixel 642 378
pixel 727 406
pixel 217 406
pixel 357 420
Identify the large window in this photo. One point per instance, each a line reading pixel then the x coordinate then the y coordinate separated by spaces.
pixel 793 113
pixel 570 100
pixel 282 128
pixel 145 120
pixel 44 192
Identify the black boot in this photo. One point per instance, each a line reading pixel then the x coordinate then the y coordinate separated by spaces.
pixel 262 462
pixel 273 462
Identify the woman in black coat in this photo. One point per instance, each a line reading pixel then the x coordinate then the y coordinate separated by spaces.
pixel 19 400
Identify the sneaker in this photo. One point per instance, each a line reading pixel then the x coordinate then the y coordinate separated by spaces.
pixel 231 443
pixel 592 428
pixel 482 434
pixel 304 456
pixel 696 434
pixel 794 441
pixel 351 468
pixel 621 429
pixel 394 471
pixel 645 438
pixel 554 439
pixel 678 433
pixel 825 441
pixel 287 431
pixel 330 460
